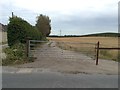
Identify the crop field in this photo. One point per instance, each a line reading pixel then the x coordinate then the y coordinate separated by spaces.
pixel 87 45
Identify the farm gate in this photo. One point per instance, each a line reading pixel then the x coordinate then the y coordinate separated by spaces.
pixel 61 50
pixel 65 50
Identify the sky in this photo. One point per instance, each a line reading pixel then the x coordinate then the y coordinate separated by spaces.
pixel 71 17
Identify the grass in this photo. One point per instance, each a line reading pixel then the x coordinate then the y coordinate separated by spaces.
pixel 86 45
pixel 15 55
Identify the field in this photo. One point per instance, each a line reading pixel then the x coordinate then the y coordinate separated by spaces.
pixel 87 45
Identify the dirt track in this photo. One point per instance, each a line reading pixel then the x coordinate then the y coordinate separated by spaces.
pixel 53 58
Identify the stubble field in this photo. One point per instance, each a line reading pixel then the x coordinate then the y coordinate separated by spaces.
pixel 87 45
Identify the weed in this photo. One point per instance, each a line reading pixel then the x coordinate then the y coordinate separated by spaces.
pixel 14 55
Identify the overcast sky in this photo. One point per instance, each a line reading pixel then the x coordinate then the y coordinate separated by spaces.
pixel 74 17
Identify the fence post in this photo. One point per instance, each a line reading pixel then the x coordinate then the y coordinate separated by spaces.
pixel 95 52
pixel 97 56
pixel 27 47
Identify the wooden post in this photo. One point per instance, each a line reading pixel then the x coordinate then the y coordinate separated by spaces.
pixel 95 52
pixel 97 56
pixel 12 15
pixel 27 47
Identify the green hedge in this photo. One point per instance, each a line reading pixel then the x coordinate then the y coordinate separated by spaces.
pixel 19 30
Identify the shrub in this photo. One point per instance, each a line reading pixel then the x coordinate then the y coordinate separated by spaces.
pixel 19 29
pixel 14 53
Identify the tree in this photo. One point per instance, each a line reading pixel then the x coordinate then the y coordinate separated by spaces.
pixel 19 29
pixel 43 25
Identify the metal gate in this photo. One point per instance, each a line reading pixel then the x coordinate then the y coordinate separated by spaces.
pixel 61 50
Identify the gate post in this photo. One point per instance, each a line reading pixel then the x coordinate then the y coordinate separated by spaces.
pixel 27 47
pixel 97 56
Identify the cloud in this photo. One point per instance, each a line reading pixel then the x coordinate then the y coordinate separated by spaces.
pixel 72 16
pixel 81 25
pixel 63 5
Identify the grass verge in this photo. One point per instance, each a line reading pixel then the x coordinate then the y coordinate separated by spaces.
pixel 89 50
pixel 15 55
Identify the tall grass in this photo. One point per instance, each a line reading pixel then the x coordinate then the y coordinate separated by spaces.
pixel 14 55
pixel 109 54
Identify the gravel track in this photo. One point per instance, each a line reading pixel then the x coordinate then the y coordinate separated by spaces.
pixel 52 58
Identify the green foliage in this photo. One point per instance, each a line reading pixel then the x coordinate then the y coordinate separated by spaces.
pixel 19 29
pixel 14 54
pixel 43 25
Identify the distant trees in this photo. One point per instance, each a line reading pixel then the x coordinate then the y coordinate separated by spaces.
pixel 43 25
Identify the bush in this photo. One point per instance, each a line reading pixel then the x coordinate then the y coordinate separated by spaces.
pixel 14 54
pixel 19 30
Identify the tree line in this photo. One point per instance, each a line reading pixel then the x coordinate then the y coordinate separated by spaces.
pixel 19 29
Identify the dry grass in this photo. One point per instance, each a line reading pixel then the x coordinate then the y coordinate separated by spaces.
pixel 107 41
pixel 87 45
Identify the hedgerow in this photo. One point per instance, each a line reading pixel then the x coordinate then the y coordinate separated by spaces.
pixel 19 29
